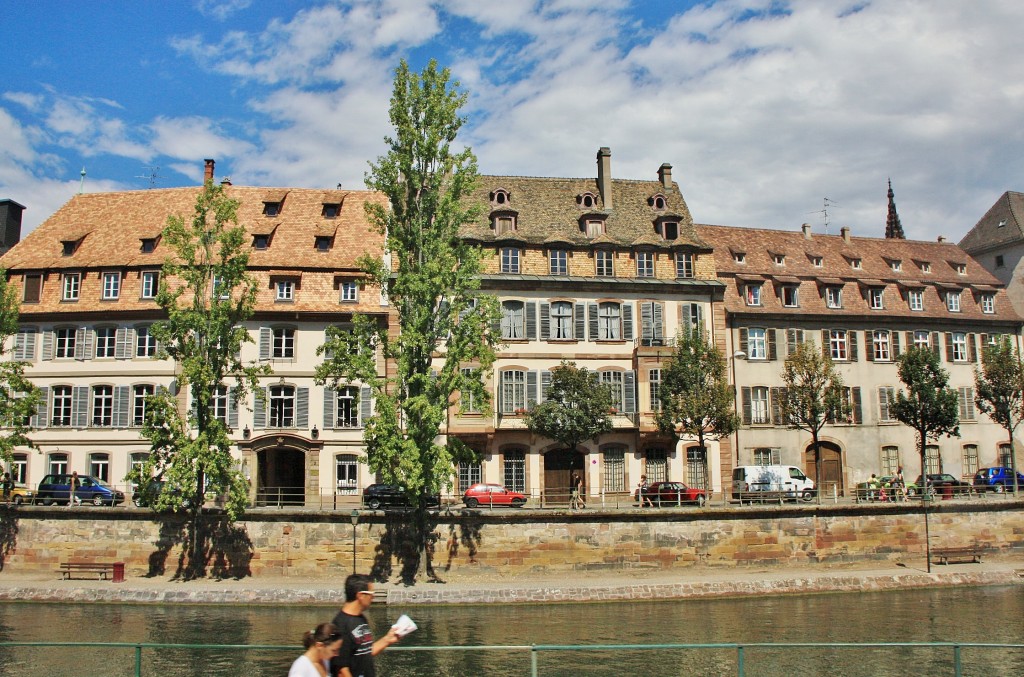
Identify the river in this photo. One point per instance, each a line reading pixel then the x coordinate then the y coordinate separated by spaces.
pixel 993 614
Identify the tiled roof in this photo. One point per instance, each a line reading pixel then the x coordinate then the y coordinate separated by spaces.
pixel 876 257
pixel 1002 224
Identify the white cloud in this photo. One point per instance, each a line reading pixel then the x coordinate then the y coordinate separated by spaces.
pixel 221 10
pixel 193 137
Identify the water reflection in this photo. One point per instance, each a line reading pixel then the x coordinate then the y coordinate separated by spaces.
pixel 966 615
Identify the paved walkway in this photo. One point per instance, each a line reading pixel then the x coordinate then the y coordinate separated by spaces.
pixel 697 581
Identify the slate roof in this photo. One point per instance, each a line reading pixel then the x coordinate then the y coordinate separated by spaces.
pixel 876 257
pixel 988 234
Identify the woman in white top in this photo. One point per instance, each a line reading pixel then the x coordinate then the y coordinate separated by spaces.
pixel 322 644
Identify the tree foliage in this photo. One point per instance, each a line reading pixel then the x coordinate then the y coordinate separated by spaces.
pixel 575 409
pixel 431 279
pixel 19 398
pixel 207 294
pixel 928 405
pixel 999 390
pixel 696 396
pixel 813 393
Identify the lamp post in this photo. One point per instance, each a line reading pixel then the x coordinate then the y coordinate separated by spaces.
pixel 736 399
pixel 355 521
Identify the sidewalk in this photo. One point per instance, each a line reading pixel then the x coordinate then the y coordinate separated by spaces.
pixel 700 581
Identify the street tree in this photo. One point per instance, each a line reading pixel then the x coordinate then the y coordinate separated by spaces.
pixel 207 294
pixel 431 280
pixel 19 398
pixel 576 407
pixel 999 391
pixel 928 405
pixel 812 396
pixel 696 398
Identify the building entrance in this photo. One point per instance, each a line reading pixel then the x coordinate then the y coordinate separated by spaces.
pixel 281 476
pixel 559 465
pixel 831 468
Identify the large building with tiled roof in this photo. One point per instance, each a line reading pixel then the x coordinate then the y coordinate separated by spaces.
pixel 865 300
pixel 88 278
pixel 997 242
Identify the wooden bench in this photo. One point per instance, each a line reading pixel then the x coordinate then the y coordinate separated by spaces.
pixel 101 571
pixel 968 554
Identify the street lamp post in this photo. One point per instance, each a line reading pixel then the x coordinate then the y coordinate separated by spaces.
pixel 355 521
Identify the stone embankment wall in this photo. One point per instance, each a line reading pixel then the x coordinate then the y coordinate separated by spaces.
pixel 317 544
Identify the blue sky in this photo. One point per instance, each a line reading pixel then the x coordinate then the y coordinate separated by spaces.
pixel 763 107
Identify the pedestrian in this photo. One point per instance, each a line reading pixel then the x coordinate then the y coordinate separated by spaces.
pixel 581 494
pixel 899 485
pixel 74 483
pixel 322 644
pixel 8 486
pixel 355 658
pixel 641 492
pixel 574 491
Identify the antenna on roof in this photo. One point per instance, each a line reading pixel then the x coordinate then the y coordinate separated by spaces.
pixel 152 176
pixel 826 203
pixel 81 185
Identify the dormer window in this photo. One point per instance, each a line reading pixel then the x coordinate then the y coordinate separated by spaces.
pixel 925 266
pixel 592 227
pixel 961 268
pixel 148 245
pixel 668 230
pixel 504 223
pixel 896 266
pixel 331 210
pixel 500 197
pixel 586 200
pixel 260 241
pixel 69 247
pixel 322 243
pixel 658 203
pixel 817 261
pixel 855 263
pixel 271 208
pixel 739 257
pixel 779 259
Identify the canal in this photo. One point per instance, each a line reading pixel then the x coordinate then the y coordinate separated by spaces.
pixel 962 615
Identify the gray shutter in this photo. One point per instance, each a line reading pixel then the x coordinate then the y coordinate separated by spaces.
pixel 259 410
pixel 852 336
pixel 647 323
pixel 302 408
pixel 25 345
pixel 545 321
pixel 365 405
pixel 124 339
pixel 858 411
pixel 545 385
pixel 265 341
pixel 47 351
pixel 531 320
pixel 499 398
pixel 773 353
pixel 746 405
pixel 41 419
pixel 498 322
pixel 697 318
pixel 629 391
pixel 776 404
pixel 659 322
pixel 232 409
pixel 330 402
pixel 580 320
pixel 83 343
pixel 122 406
pixel 531 388
pixel 883 404
pixel 627 321
pixel 80 406
pixel 592 317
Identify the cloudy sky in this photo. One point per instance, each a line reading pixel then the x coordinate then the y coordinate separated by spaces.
pixel 763 107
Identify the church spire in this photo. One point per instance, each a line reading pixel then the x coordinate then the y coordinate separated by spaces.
pixel 893 228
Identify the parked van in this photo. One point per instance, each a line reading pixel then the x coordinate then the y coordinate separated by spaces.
pixel 57 488
pixel 786 479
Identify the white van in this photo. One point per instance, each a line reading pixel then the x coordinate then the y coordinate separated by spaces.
pixel 787 480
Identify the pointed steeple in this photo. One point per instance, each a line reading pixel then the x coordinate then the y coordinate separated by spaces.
pixel 893 228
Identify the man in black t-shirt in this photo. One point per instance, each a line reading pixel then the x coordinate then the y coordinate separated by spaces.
pixel 355 659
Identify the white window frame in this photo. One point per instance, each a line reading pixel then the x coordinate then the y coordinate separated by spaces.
pixel 111 286
pixel 881 345
pixel 684 265
pixel 513 390
pixel 105 342
pixel 558 262
pixel 752 293
pixel 510 260
pixel 72 286
pixel 513 320
pixel 791 296
pixel 757 343
pixel 282 345
pixel 645 264
pixel 285 291
pixel 150 284
pixel 839 344
pixel 609 321
pixel 988 304
pixel 145 342
pixel 834 296
pixel 139 394
pixel 960 346
pixel 604 263
pixel 759 409
pixel 876 298
pixel 561 320
pixel 281 406
pixel 953 301
pixel 349 291
pixel 915 299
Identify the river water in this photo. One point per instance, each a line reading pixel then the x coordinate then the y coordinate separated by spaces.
pixel 993 614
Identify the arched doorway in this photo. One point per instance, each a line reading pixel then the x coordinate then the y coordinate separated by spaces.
pixel 831 467
pixel 280 476
pixel 559 465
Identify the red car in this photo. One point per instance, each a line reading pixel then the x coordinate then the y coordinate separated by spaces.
pixel 492 494
pixel 675 493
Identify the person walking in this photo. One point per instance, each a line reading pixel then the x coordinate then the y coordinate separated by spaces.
pixel 8 487
pixel 581 492
pixel 641 492
pixel 322 643
pixel 574 492
pixel 73 485
pixel 355 657
pixel 899 485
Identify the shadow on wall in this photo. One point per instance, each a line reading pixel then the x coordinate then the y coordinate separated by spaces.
pixel 399 542
pixel 225 549
pixel 8 533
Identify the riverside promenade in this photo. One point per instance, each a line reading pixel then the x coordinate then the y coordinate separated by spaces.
pixel 683 583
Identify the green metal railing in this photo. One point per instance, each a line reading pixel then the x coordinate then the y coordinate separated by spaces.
pixel 955 661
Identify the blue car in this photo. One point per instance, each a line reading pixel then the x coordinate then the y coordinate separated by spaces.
pixel 56 488
pixel 997 479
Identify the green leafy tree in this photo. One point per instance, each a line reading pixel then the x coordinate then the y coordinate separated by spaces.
pixel 207 294
pixel 696 396
pixel 928 406
pixel 443 346
pixel 812 395
pixel 999 391
pixel 575 409
pixel 19 398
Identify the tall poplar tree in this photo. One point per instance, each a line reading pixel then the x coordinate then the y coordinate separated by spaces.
pixel 696 396
pixel 19 398
pixel 431 279
pixel 813 393
pixel 207 293
pixel 999 391
pixel 928 406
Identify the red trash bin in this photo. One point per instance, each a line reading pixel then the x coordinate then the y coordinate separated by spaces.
pixel 947 492
pixel 118 572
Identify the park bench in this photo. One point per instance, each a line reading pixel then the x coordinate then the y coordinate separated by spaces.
pixel 956 555
pixel 101 571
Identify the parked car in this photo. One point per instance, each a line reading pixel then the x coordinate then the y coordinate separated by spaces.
pixel 492 494
pixel 997 479
pixel 21 495
pixel 146 495
pixel 57 488
pixel 673 493
pixel 393 496
pixel 939 481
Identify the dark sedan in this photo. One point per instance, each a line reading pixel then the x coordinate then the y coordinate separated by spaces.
pixel 392 496
pixel 937 483
pixel 675 493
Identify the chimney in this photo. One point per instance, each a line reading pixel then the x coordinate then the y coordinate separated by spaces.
pixel 845 232
pixel 604 175
pixel 807 231
pixel 10 224
pixel 665 175
pixel 942 238
pixel 208 174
